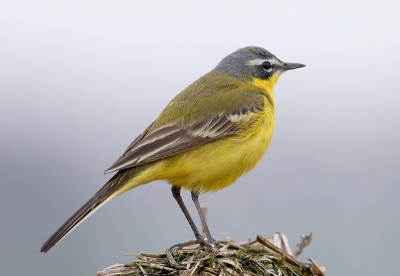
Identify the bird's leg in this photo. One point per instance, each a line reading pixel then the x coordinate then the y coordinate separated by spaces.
pixel 176 192
pixel 195 198
pixel 209 245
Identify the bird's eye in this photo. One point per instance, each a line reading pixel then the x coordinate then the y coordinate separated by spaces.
pixel 267 66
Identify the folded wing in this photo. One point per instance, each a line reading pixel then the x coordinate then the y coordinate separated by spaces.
pixel 171 138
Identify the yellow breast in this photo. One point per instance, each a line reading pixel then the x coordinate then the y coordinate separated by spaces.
pixel 218 164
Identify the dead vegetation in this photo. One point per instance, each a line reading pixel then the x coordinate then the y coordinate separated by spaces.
pixel 252 257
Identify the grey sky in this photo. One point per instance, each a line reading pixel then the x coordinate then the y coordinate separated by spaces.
pixel 80 80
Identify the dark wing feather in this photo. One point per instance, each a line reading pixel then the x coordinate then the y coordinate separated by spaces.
pixel 170 139
pixel 137 140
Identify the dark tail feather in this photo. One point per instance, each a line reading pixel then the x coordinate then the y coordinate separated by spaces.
pixel 97 200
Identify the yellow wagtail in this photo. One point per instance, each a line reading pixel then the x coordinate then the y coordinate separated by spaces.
pixel 210 134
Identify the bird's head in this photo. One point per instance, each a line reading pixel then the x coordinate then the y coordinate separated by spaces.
pixel 256 65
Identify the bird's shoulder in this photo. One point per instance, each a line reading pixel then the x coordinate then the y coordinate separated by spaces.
pixel 214 94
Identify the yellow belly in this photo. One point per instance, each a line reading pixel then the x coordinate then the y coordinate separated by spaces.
pixel 218 164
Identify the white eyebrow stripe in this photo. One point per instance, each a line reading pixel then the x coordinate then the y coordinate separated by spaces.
pixel 259 61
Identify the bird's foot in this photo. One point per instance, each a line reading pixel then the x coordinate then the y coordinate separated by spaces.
pixel 206 245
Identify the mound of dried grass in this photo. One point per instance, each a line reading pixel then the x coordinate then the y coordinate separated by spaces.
pixel 253 257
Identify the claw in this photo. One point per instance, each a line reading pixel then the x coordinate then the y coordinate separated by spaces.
pixel 209 246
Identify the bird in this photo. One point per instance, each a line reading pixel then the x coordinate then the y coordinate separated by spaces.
pixel 210 134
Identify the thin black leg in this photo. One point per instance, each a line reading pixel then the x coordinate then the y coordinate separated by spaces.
pixel 176 192
pixel 195 198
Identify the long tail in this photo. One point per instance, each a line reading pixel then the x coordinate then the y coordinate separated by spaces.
pixel 106 193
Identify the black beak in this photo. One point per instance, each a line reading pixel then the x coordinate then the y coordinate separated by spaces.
pixel 289 66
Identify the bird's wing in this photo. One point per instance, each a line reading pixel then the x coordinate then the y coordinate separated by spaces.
pixel 164 139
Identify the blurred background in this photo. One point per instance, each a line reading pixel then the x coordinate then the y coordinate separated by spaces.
pixel 79 80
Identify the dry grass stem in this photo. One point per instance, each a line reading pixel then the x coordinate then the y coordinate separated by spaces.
pixel 250 258
pixel 305 240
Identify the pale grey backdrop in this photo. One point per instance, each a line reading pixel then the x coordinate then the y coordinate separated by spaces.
pixel 79 80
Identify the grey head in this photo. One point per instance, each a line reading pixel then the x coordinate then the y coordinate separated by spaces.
pixel 253 61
